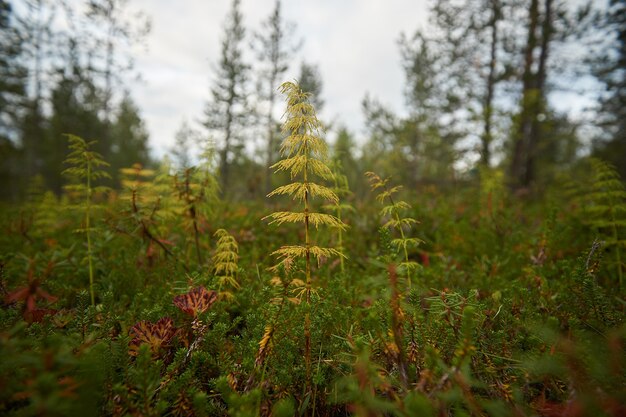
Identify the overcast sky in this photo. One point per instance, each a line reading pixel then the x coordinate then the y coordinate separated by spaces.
pixel 354 42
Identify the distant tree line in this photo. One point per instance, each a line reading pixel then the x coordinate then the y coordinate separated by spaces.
pixel 60 68
pixel 481 82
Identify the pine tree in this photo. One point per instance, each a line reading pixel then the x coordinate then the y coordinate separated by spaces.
pixel 75 109
pixel 129 137
pixel 13 76
pixel 12 73
pixel 310 81
pixel 274 49
pixel 527 134
pixel 183 140
pixel 226 114
pixel 114 29
pixel 611 71
pixel 36 27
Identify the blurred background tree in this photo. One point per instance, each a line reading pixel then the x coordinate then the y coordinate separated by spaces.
pixel 484 82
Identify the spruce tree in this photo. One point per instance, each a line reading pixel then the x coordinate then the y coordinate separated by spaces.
pixel 112 30
pixel 129 137
pixel 310 81
pixel 611 71
pixel 12 96
pixel 75 108
pixel 183 140
pixel 226 113
pixel 12 73
pixel 274 47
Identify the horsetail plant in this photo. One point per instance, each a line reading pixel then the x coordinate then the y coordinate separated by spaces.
pixel 304 157
pixel 191 194
pixel 146 211
pixel 607 211
pixel 225 262
pixel 342 189
pixel 85 165
pixel 393 211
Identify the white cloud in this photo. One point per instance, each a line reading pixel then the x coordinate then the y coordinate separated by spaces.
pixel 354 43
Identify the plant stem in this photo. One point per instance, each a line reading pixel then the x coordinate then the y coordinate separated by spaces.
pixel 340 232
pixel 618 253
pixel 406 253
pixel 307 317
pixel 396 324
pixel 88 229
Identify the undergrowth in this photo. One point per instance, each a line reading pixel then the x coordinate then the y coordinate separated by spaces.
pixel 491 305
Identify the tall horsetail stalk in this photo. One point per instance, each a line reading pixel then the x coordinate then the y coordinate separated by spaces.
pixel 85 165
pixel 341 188
pixel 606 213
pixel 304 155
pixel 392 208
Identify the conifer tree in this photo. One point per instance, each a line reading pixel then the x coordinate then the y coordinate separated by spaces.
pixel 274 48
pixel 129 137
pixel 12 94
pixel 183 139
pixel 304 157
pixel 226 113
pixel 36 25
pixel 611 71
pixel 113 30
pixel 311 82
pixel 75 106
pixel 12 73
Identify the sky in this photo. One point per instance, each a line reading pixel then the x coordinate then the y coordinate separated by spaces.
pixel 353 42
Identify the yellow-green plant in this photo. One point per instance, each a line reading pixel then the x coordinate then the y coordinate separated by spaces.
pixel 191 194
pixel 225 262
pixel 607 210
pixel 85 168
pixel 492 190
pixel 197 189
pixel 304 155
pixel 342 189
pixel 393 210
pixel 145 212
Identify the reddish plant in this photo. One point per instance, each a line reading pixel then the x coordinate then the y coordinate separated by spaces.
pixel 196 301
pixel 31 294
pixel 157 335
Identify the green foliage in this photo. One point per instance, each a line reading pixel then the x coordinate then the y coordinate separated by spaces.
pixel 606 211
pixel 392 212
pixel 342 190
pixel 516 311
pixel 85 165
pixel 304 155
pixel 225 263
pixel 227 111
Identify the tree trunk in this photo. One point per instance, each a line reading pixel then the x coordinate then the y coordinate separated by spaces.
pixel 523 131
pixel 491 82
pixel 534 137
pixel 270 139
